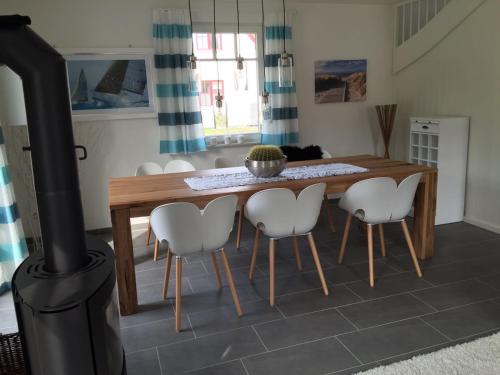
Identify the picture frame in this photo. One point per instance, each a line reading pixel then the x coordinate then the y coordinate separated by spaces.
pixel 111 83
pixel 340 81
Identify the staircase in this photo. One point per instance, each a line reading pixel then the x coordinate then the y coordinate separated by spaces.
pixel 422 24
pixel 413 15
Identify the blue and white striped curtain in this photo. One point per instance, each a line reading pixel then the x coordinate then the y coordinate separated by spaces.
pixel 283 128
pixel 13 247
pixel 179 115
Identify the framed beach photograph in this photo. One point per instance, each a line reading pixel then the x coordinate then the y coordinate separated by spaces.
pixel 107 84
pixel 340 81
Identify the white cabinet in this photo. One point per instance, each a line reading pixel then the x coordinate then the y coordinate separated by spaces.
pixel 442 142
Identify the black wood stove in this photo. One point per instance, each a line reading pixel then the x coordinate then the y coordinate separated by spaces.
pixel 65 298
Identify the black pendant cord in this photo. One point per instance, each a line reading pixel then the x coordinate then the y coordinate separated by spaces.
pixel 284 27
pixel 263 44
pixel 215 53
pixel 238 27
pixel 191 23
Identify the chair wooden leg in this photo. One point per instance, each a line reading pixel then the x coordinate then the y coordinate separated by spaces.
pixel 411 247
pixel 314 252
pixel 254 254
pixel 328 213
pixel 166 279
pixel 370 254
pixel 230 281
pixel 178 289
pixel 240 225
pixel 216 269
pixel 156 250
pixel 296 251
pixel 382 239
pixel 272 286
pixel 148 234
pixel 344 237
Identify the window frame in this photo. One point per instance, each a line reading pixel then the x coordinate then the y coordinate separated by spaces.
pixel 211 89
pixel 259 59
pixel 209 41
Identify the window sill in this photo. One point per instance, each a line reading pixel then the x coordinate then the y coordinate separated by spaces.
pixel 249 140
pixel 231 145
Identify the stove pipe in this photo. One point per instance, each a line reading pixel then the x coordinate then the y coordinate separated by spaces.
pixel 45 84
pixel 65 298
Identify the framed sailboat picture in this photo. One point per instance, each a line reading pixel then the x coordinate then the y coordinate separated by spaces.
pixel 110 84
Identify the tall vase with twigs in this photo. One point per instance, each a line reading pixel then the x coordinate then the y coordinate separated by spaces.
pixel 386 116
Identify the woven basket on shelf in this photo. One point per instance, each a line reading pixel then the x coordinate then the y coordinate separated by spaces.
pixel 11 355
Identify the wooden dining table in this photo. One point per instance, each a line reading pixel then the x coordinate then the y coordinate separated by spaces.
pixel 137 196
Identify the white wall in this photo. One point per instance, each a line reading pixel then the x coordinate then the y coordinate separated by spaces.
pixel 461 76
pixel 322 31
pixel 325 31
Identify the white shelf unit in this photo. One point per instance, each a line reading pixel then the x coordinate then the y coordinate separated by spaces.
pixel 442 143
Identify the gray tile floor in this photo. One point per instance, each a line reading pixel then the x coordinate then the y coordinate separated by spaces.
pixel 354 328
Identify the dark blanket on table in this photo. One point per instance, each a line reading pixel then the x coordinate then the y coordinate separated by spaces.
pixel 294 153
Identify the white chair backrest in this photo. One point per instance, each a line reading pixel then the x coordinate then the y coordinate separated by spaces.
pixel 326 154
pixel 188 229
pixel 176 166
pixel 278 213
pixel 148 168
pixel 272 211
pixel 380 199
pixel 218 220
pixel 403 200
pixel 308 207
pixel 223 162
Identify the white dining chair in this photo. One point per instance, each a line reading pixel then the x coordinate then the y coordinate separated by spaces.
pixel 225 162
pixel 328 210
pixel 238 161
pixel 376 201
pixel 278 213
pixel 177 166
pixel 173 166
pixel 187 230
pixel 147 169
pixel 326 154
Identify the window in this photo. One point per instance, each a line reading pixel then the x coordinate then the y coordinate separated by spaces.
pixel 242 106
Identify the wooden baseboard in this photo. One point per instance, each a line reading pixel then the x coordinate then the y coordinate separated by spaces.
pixel 483 224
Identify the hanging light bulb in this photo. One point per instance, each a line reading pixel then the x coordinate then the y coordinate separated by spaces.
pixel 193 74
pixel 285 70
pixel 267 111
pixel 285 61
pixel 241 75
pixel 220 113
pixel 191 63
pixel 220 108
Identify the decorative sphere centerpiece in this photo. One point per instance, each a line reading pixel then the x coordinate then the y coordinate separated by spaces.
pixel 265 161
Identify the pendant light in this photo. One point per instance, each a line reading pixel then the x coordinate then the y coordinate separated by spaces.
pixel 192 61
pixel 266 104
pixel 285 62
pixel 241 76
pixel 220 109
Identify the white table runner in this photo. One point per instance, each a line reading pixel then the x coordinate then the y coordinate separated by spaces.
pixel 231 179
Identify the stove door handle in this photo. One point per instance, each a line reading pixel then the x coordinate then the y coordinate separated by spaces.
pixel 85 154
